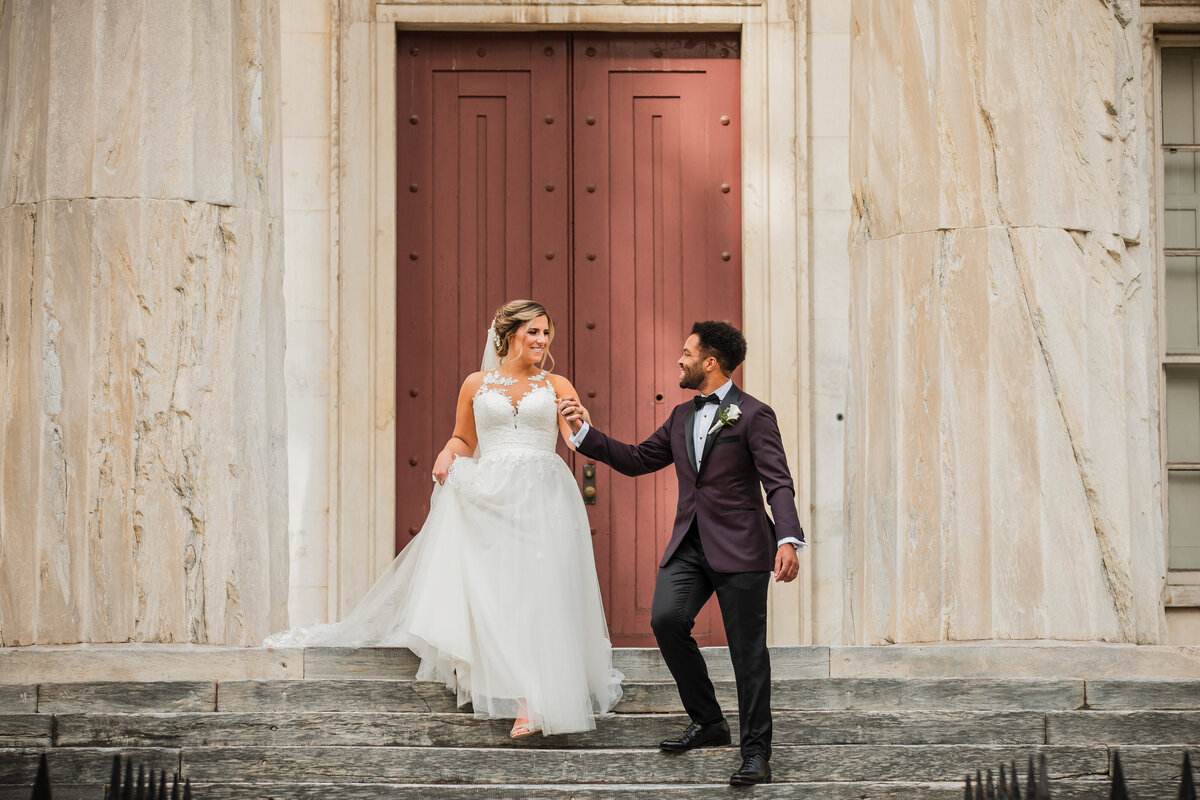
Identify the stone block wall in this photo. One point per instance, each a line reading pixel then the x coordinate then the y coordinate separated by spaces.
pixel 1002 469
pixel 142 434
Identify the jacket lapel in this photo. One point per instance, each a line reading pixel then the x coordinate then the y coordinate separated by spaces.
pixel 689 434
pixel 732 396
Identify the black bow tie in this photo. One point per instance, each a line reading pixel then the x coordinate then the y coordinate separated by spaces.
pixel 701 400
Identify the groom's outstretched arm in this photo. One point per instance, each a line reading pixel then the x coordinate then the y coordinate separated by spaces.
pixel 628 459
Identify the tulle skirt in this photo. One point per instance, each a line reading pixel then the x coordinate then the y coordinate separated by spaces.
pixel 497 595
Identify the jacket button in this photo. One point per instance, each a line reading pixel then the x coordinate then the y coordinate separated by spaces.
pixel 697 483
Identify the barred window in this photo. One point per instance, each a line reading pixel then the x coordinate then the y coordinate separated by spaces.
pixel 1180 141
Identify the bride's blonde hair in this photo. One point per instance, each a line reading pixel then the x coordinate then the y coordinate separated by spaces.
pixel 511 316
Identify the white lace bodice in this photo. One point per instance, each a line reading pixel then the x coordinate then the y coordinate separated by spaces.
pixel 505 422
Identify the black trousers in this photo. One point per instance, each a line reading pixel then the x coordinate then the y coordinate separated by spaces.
pixel 681 589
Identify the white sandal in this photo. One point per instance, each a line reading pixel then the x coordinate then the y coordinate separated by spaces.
pixel 522 729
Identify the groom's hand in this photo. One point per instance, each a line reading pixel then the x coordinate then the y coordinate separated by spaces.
pixel 573 412
pixel 787 566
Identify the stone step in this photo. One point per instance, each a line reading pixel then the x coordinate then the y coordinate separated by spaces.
pixel 83 765
pixel 866 723
pixel 875 770
pixel 1123 727
pixel 1066 789
pixel 459 730
pixel 1157 694
pixel 1148 763
pixel 335 695
pixel 26 730
pixel 54 698
pixel 639 696
pixel 142 662
pixel 635 663
pixel 201 729
pixel 880 694
pixel 858 790
pixel 911 661
pixel 432 765
pixel 483 765
pixel 18 698
pixel 436 765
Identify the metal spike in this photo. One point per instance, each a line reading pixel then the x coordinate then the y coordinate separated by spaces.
pixel 1187 789
pixel 1119 792
pixel 41 786
pixel 1016 783
pixel 991 787
pixel 140 794
pixel 1043 786
pixel 187 789
pixel 1031 782
pixel 162 786
pixel 1002 789
pixel 114 780
pixel 979 786
pixel 127 784
pixel 175 788
pixel 967 792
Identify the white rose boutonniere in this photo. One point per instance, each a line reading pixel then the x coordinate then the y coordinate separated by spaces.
pixel 726 416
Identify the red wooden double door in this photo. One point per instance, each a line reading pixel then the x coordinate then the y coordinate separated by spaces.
pixel 601 176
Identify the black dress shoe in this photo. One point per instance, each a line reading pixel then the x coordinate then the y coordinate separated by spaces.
pixel 698 735
pixel 755 769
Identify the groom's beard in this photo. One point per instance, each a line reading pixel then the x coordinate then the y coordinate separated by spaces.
pixel 692 378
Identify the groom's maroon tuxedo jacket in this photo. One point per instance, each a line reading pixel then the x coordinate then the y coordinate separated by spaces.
pixel 724 497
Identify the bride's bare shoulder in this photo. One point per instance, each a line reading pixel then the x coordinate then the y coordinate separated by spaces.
pixel 562 386
pixel 472 383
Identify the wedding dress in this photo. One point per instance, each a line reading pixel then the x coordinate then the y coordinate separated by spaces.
pixel 498 593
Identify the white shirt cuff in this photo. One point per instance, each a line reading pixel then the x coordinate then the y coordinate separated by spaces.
pixel 794 542
pixel 577 437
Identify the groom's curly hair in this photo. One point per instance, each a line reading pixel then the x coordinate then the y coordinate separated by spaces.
pixel 723 342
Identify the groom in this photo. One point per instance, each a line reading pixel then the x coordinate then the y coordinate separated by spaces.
pixel 724 444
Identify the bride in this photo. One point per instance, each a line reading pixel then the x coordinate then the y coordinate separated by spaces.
pixel 498 593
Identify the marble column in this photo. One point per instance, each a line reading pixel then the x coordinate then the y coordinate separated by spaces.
pixel 1002 460
pixel 142 427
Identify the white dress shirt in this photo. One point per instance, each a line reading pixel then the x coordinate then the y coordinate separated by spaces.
pixel 706 415
pixel 705 418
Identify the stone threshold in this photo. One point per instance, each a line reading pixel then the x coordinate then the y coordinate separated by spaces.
pixel 985 659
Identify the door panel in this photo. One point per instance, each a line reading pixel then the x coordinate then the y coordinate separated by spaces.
pixel 481 219
pixel 657 245
pixel 600 175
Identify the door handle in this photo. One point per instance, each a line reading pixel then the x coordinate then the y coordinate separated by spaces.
pixel 589 484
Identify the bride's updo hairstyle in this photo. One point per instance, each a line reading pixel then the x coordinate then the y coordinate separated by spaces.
pixel 511 316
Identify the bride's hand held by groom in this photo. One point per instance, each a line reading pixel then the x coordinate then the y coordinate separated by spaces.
pixel 573 412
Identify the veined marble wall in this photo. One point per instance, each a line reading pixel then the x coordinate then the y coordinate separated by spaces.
pixel 142 435
pixel 1003 463
pixel 307 127
pixel 828 59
